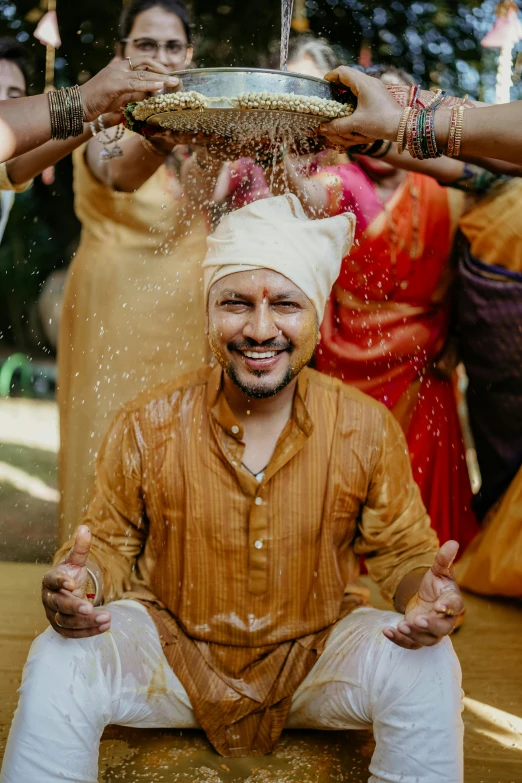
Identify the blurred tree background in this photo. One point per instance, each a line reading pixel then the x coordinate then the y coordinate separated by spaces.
pixel 439 42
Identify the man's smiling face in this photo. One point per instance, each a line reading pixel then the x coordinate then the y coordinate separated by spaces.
pixel 262 329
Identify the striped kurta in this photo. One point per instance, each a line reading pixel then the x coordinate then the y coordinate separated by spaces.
pixel 244 578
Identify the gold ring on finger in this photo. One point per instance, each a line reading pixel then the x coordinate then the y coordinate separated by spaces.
pixel 56 620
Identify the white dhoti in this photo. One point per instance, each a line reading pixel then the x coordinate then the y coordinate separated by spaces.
pixel 73 688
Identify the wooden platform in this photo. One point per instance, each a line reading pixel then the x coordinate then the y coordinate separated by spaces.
pixel 489 646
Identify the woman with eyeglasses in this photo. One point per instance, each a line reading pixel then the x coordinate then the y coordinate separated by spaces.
pixel 133 312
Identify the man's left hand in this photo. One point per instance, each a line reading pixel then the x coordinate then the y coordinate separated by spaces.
pixel 433 611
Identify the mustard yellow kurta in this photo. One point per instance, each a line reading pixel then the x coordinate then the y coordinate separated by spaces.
pixel 492 564
pixel 245 579
pixel 132 315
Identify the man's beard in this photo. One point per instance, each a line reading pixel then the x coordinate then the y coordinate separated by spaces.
pixel 259 391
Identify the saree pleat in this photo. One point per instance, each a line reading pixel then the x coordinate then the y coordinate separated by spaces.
pixel 385 326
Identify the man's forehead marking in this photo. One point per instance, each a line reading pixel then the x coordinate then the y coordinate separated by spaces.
pixel 285 294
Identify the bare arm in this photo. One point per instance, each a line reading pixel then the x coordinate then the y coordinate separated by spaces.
pixel 129 172
pixel 311 191
pixel 491 132
pixel 470 177
pixel 25 123
pixel 442 169
pixel 198 173
pixel 488 132
pixel 27 166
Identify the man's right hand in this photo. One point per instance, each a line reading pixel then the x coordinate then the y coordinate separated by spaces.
pixel 63 594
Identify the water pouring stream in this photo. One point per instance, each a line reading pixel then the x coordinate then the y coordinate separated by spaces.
pixel 287 7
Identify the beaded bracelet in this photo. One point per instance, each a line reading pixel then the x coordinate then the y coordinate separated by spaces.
pixel 421 134
pixel 66 110
pixel 431 138
pixel 75 108
pixel 421 141
pixel 58 123
pixel 412 135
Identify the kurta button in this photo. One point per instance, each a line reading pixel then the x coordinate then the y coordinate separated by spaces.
pixel 235 429
pixel 258 501
pixel 258 544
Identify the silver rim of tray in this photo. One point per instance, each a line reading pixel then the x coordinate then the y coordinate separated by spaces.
pixel 229 82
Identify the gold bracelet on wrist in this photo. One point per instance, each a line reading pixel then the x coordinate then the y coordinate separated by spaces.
pixel 150 147
pixel 450 150
pixel 455 131
pixel 458 132
pixel 401 134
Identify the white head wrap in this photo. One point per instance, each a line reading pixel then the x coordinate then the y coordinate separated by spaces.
pixel 275 233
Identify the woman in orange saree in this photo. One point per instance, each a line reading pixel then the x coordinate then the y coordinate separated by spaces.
pixel 387 323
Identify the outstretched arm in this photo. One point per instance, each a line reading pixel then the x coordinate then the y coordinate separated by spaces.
pixel 401 548
pixel 476 176
pixel 25 123
pixel 29 165
pixel 116 515
pixel 488 132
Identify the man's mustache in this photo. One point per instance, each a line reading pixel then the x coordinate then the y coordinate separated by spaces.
pixel 268 345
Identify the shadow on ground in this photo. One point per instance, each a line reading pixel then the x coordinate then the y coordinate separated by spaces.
pixel 28 503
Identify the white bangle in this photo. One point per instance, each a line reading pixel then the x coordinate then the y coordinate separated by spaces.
pixel 97 595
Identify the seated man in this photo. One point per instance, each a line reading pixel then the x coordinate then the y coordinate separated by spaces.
pixel 229 512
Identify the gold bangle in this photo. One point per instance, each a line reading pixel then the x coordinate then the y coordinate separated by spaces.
pixel 401 133
pixel 450 150
pixel 150 147
pixel 458 131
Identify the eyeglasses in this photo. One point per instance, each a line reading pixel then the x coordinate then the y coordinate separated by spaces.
pixel 150 46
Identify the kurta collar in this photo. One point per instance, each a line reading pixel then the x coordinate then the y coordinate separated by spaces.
pixel 223 414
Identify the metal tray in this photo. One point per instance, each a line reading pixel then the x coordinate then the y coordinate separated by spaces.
pixel 244 127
